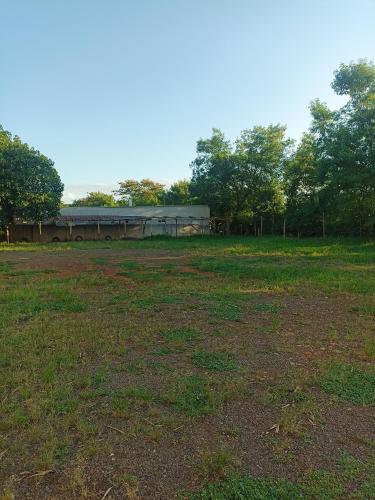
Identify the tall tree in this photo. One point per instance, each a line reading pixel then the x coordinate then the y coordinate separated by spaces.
pixel 346 149
pixel 144 192
pixel 30 187
pixel 95 199
pixel 304 206
pixel 242 181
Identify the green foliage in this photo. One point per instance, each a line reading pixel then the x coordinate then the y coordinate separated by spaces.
pixel 215 361
pixel 216 464
pixel 179 194
pixel 144 192
pixel 30 187
pixel 95 199
pixel 326 185
pixel 243 180
pixel 349 382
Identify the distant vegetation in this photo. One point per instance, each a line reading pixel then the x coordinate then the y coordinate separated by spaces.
pixel 262 182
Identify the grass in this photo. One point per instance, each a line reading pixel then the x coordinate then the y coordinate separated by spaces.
pixel 181 334
pixel 215 361
pixel 322 484
pixel 158 366
pixel 191 395
pixel 242 486
pixel 216 464
pixel 349 382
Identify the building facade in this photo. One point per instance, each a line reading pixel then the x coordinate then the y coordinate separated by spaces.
pixel 114 223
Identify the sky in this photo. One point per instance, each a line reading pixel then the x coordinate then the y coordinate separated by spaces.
pixel 119 89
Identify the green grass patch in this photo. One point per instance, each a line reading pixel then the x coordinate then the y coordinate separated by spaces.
pixel 273 308
pixel 238 487
pixel 215 361
pixel 227 311
pixel 349 382
pixel 366 309
pixel 370 347
pixel 181 334
pixel 191 395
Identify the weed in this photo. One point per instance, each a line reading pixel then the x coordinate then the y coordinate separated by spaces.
pixel 217 464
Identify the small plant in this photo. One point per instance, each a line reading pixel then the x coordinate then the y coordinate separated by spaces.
pixel 217 464
pixel 130 484
pixel 215 361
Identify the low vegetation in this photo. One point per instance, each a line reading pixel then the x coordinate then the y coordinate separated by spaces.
pixel 234 367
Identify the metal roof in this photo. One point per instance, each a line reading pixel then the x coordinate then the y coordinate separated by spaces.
pixel 188 211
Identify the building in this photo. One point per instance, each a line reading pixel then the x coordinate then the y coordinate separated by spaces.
pixel 114 223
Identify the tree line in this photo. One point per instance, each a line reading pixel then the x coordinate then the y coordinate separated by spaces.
pixel 262 182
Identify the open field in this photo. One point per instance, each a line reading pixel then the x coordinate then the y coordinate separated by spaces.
pixel 204 368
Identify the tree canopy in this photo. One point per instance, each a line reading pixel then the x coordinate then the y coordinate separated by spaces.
pixel 179 193
pixel 144 192
pixel 30 187
pixel 95 199
pixel 325 182
pixel 242 180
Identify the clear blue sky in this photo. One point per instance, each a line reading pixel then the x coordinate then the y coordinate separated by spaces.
pixel 114 89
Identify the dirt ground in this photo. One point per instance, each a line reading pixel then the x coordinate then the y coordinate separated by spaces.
pixel 270 416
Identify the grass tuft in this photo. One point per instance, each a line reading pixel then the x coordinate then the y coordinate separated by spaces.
pixel 215 361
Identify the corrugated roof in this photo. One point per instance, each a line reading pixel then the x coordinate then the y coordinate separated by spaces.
pixel 195 211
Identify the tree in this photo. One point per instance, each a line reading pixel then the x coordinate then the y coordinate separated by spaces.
pixel 242 182
pixel 304 204
pixel 30 187
pixel 179 194
pixel 95 199
pixel 345 149
pixel 144 192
